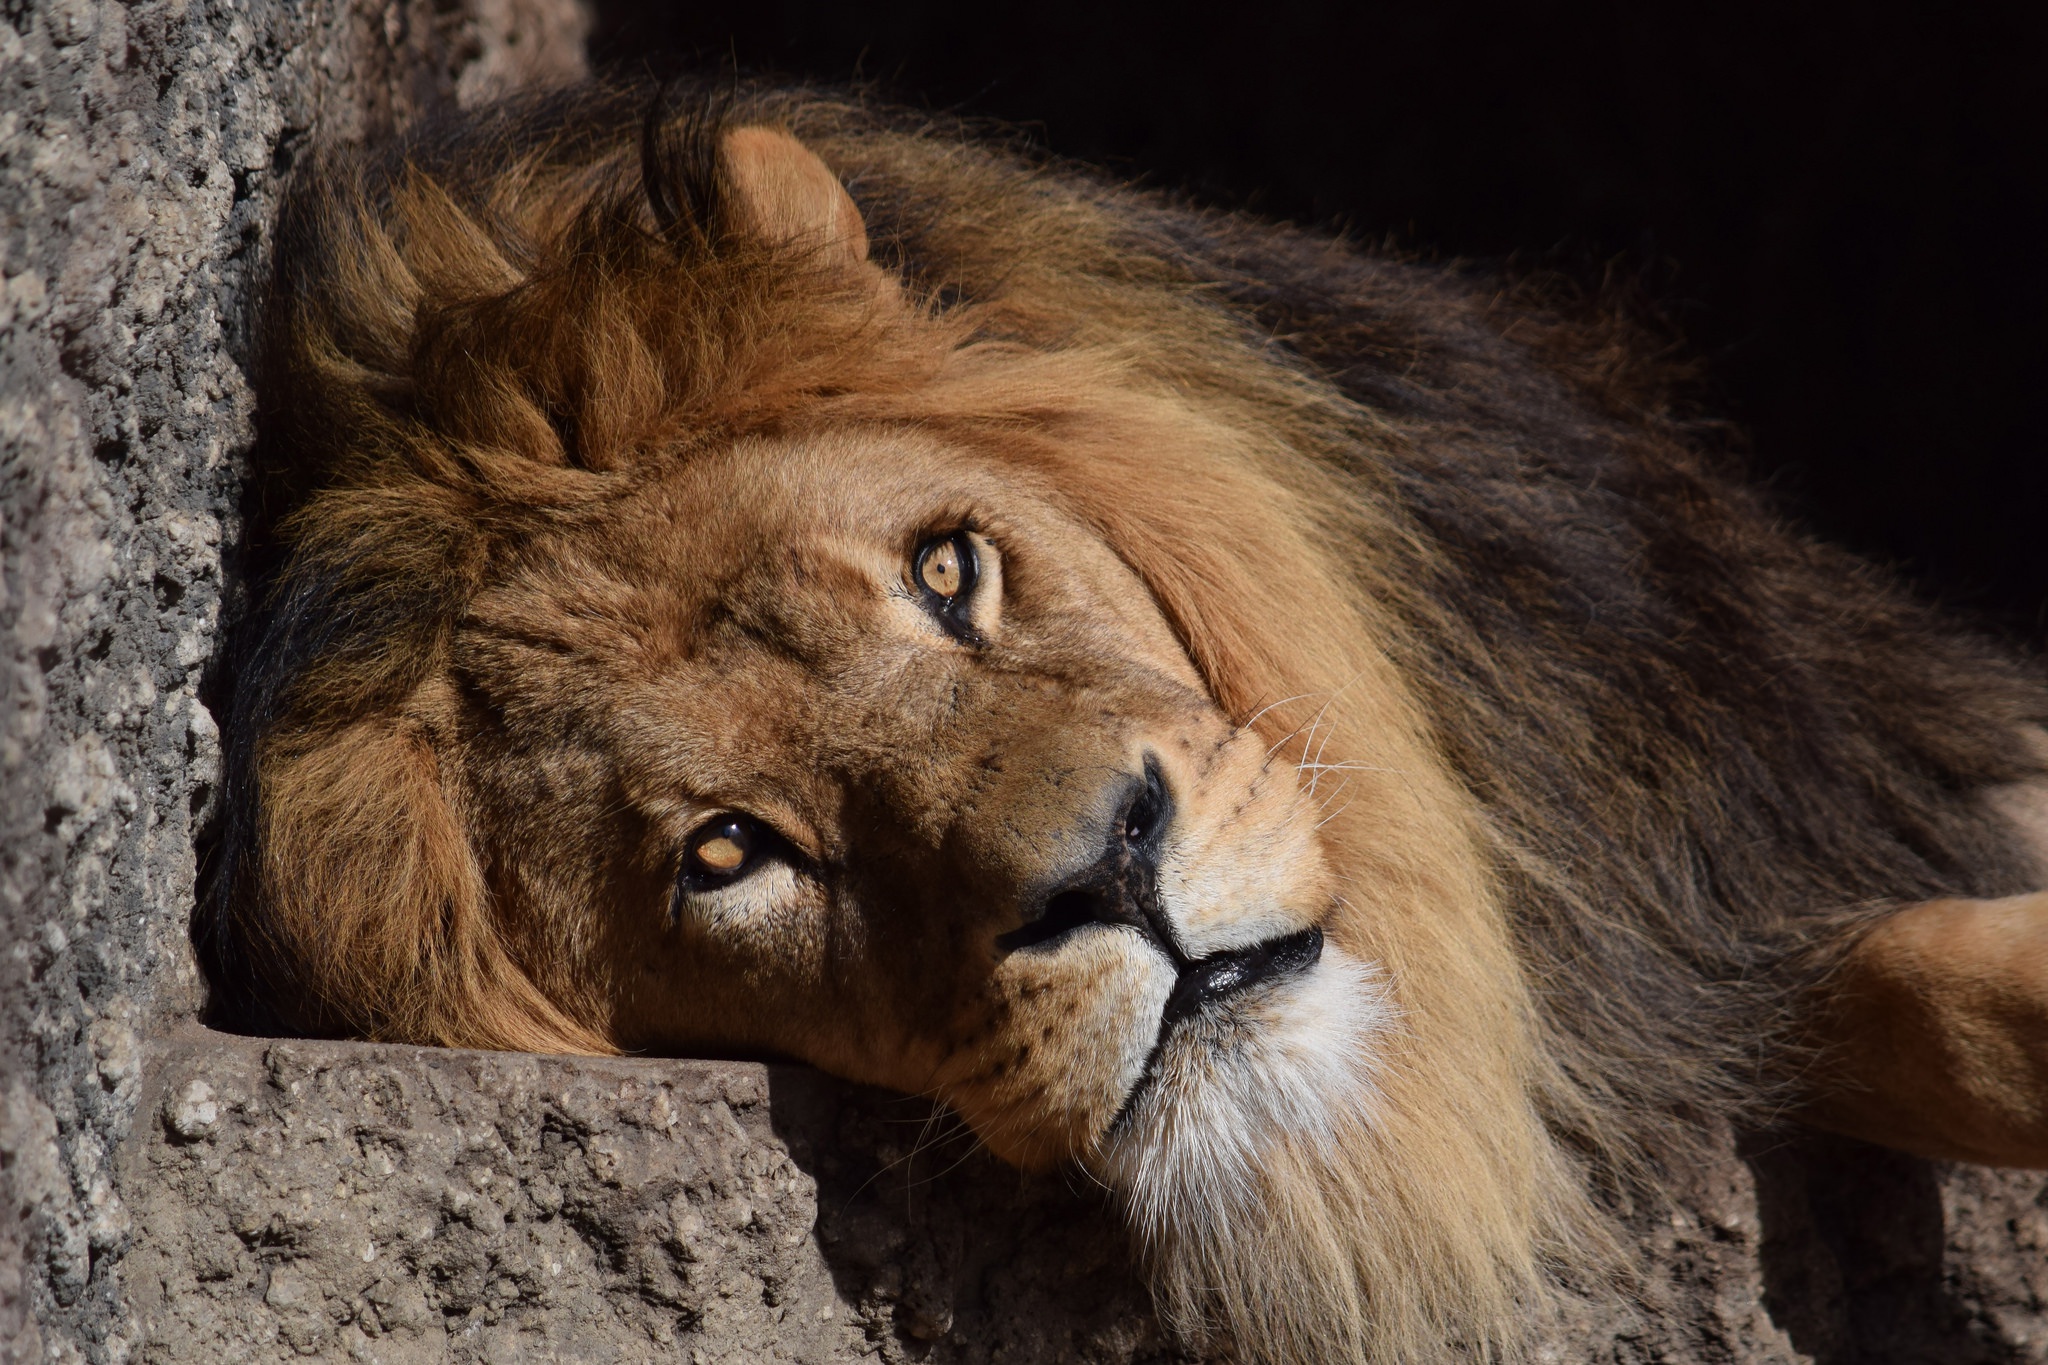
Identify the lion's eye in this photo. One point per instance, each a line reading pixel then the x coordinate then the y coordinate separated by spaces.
pixel 946 569
pixel 721 851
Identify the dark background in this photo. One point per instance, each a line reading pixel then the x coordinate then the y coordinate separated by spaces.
pixel 1842 208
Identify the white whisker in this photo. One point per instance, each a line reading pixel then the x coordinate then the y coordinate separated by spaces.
pixel 1258 714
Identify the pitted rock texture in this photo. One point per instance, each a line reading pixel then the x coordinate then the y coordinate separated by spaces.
pixel 1872 1256
pixel 142 147
pixel 341 1201
pixel 352 1202
pixel 1794 1246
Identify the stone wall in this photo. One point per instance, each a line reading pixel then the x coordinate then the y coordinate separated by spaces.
pixel 178 1195
pixel 141 150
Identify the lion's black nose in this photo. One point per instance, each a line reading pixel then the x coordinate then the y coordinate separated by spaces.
pixel 1120 887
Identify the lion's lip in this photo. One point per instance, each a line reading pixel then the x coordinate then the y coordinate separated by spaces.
pixel 1221 975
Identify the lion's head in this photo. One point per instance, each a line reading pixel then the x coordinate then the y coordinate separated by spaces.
pixel 951 663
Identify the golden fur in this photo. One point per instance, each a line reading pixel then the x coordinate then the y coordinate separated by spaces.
pixel 606 458
pixel 1948 1002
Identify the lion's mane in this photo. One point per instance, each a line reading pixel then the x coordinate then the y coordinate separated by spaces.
pixel 1695 749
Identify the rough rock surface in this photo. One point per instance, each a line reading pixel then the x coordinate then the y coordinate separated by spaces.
pixel 399 1204
pixel 141 150
pixel 177 1195
pixel 354 1202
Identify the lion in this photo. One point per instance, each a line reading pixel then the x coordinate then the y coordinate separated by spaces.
pixel 1325 748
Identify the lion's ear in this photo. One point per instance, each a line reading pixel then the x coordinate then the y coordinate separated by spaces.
pixel 376 906
pixel 782 192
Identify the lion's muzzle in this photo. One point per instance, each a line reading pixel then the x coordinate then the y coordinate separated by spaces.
pixel 1222 975
pixel 1208 982
pixel 1122 886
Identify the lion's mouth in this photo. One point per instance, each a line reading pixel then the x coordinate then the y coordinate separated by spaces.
pixel 1219 976
pixel 1208 981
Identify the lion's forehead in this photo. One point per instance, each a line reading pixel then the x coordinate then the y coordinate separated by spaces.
pixel 774 621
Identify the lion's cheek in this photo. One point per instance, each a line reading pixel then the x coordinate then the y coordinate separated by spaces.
pixel 1042 1070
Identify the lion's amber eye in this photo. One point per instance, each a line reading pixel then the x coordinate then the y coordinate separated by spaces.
pixel 720 850
pixel 945 567
pixel 721 854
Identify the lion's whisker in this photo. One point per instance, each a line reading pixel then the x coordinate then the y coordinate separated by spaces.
pixel 974 1148
pixel 939 1111
pixel 1258 714
pixel 1342 783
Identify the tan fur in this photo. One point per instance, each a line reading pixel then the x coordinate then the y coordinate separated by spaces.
pixel 622 520
pixel 789 196
pixel 1939 1026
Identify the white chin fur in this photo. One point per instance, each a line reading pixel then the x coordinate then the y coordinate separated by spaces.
pixel 1288 1066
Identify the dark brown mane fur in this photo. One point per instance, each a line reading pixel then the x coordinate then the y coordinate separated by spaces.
pixel 1706 747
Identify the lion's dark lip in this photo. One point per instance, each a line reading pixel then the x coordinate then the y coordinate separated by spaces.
pixel 1219 976
pixel 1222 975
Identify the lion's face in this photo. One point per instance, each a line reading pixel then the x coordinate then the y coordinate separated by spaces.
pixel 854 748
pixel 718 645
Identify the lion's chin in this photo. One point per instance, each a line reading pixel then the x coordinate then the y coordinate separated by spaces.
pixel 1286 1068
pixel 1230 1162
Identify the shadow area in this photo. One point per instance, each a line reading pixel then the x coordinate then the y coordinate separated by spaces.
pixel 1854 1258
pixel 944 1253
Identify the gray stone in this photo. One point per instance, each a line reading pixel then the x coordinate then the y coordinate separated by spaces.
pixel 353 1202
pixel 141 152
pixel 348 1201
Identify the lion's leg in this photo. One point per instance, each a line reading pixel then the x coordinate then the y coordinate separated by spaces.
pixel 1936 1033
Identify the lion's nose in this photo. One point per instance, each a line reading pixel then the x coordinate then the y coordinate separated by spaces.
pixel 1120 887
